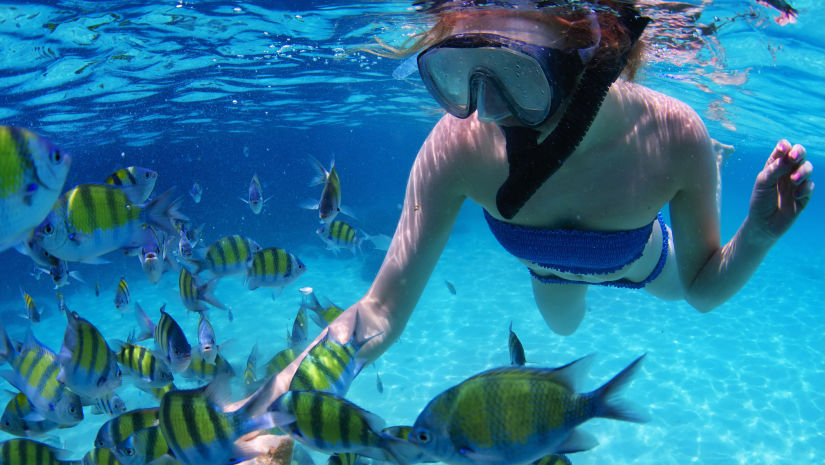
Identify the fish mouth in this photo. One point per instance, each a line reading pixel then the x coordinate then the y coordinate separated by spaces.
pixel 151 256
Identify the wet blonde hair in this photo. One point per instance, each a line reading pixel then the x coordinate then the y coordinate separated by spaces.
pixel 574 24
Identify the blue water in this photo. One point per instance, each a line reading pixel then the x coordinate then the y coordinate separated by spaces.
pixel 215 92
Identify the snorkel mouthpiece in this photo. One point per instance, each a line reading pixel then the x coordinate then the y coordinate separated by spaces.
pixel 531 163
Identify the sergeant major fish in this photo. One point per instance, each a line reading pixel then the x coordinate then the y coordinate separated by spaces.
pixel 35 370
pixel 193 293
pixel 227 256
pixel 143 447
pixel 528 413
pixel 122 295
pixel 169 338
pixel 196 192
pixel 32 174
pixel 94 219
pixel 14 420
pixel 100 456
pixel 340 234
pixel 116 430
pixel 87 364
pixel 143 178
pixel 141 364
pixel 207 345
pixel 32 313
pixel 329 204
pixel 273 267
pixel 256 201
pixel 31 452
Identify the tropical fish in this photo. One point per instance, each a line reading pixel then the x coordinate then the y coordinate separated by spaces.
pixel 207 346
pixel 196 192
pixel 97 289
pixel 414 455
pixel 450 287
pixel 30 452
pixel 249 376
pixel 516 349
pixel 152 254
pixel 35 370
pixel 330 366
pixel 116 430
pixel 32 174
pixel 100 456
pixel 199 431
pixel 169 338
pixel 322 315
pixel 273 267
pixel 158 393
pixel 279 361
pixel 228 255
pixel 330 424
pixel 348 458
pixel 516 415
pixel 14 419
pixel 202 370
pixel 87 364
pixel 256 201
pixel 378 384
pixel 122 295
pixel 143 178
pixel 188 240
pixel 58 269
pixel 140 363
pixel 60 274
pixel 298 336
pixel 32 313
pixel 193 293
pixel 93 219
pixel 329 204
pixel 342 235
pixel 142 447
pixel 111 405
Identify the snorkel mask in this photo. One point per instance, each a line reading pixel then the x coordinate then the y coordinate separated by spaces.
pixel 533 82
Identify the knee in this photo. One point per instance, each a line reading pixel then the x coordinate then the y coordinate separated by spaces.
pixel 564 321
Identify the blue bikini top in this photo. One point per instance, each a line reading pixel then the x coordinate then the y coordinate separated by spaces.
pixel 570 250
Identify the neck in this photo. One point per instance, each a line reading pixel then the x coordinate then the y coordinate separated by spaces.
pixel 603 125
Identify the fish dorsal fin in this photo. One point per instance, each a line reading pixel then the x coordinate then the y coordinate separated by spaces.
pixel 571 375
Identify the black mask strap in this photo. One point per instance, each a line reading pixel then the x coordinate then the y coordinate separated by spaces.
pixel 531 164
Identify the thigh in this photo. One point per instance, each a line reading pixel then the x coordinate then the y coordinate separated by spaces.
pixel 561 305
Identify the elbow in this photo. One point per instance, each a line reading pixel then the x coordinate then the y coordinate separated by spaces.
pixel 702 304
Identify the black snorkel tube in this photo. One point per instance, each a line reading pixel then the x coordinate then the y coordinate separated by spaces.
pixel 531 163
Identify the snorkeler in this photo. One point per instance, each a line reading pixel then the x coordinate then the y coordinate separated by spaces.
pixel 572 166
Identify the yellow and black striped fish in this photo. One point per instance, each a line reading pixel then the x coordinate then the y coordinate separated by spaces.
pixel 273 267
pixel 143 446
pixel 330 366
pixel 116 430
pixel 193 293
pixel 30 452
pixel 279 361
pixel 333 425
pixel 140 363
pixel 93 219
pixel 143 178
pixel 197 429
pixel 249 372
pixel 169 338
pixel 32 174
pixel 32 313
pixel 122 295
pixel 322 315
pixel 14 419
pixel 100 456
pixel 228 255
pixel 35 370
pixel 202 370
pixel 158 393
pixel 87 365
pixel 298 337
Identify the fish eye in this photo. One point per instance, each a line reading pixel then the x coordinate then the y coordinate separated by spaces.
pixel 99 443
pixel 423 436
pixel 72 409
pixel 129 452
pixel 55 156
pixel 48 229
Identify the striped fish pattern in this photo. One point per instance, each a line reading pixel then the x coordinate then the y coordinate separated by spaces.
pixel 202 370
pixel 93 219
pixel 142 447
pixel 171 341
pixel 333 425
pixel 116 430
pixel 140 363
pixel 32 174
pixel 100 456
pixel 279 361
pixel 32 313
pixel 14 419
pixel 198 431
pixel 228 255
pixel 143 178
pixel 35 370
pixel 273 267
pixel 329 366
pixel 340 235
pixel 193 293
pixel 321 315
pixel 87 365
pixel 29 452
pixel 249 373
pixel 122 295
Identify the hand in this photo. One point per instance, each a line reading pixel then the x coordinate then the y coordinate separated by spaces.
pixel 782 190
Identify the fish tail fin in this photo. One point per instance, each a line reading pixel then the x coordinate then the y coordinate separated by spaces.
pixel 608 405
pixel 162 211
pixel 6 346
pixel 147 328
pixel 206 293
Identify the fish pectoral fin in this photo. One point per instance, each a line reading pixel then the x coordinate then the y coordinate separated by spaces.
pixel 578 441
pixel 34 416
pixel 481 456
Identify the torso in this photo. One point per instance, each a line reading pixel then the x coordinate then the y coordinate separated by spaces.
pixel 625 171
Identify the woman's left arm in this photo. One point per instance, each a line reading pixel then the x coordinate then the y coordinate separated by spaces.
pixel 711 274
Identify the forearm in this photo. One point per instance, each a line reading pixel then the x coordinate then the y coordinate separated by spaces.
pixel 728 269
